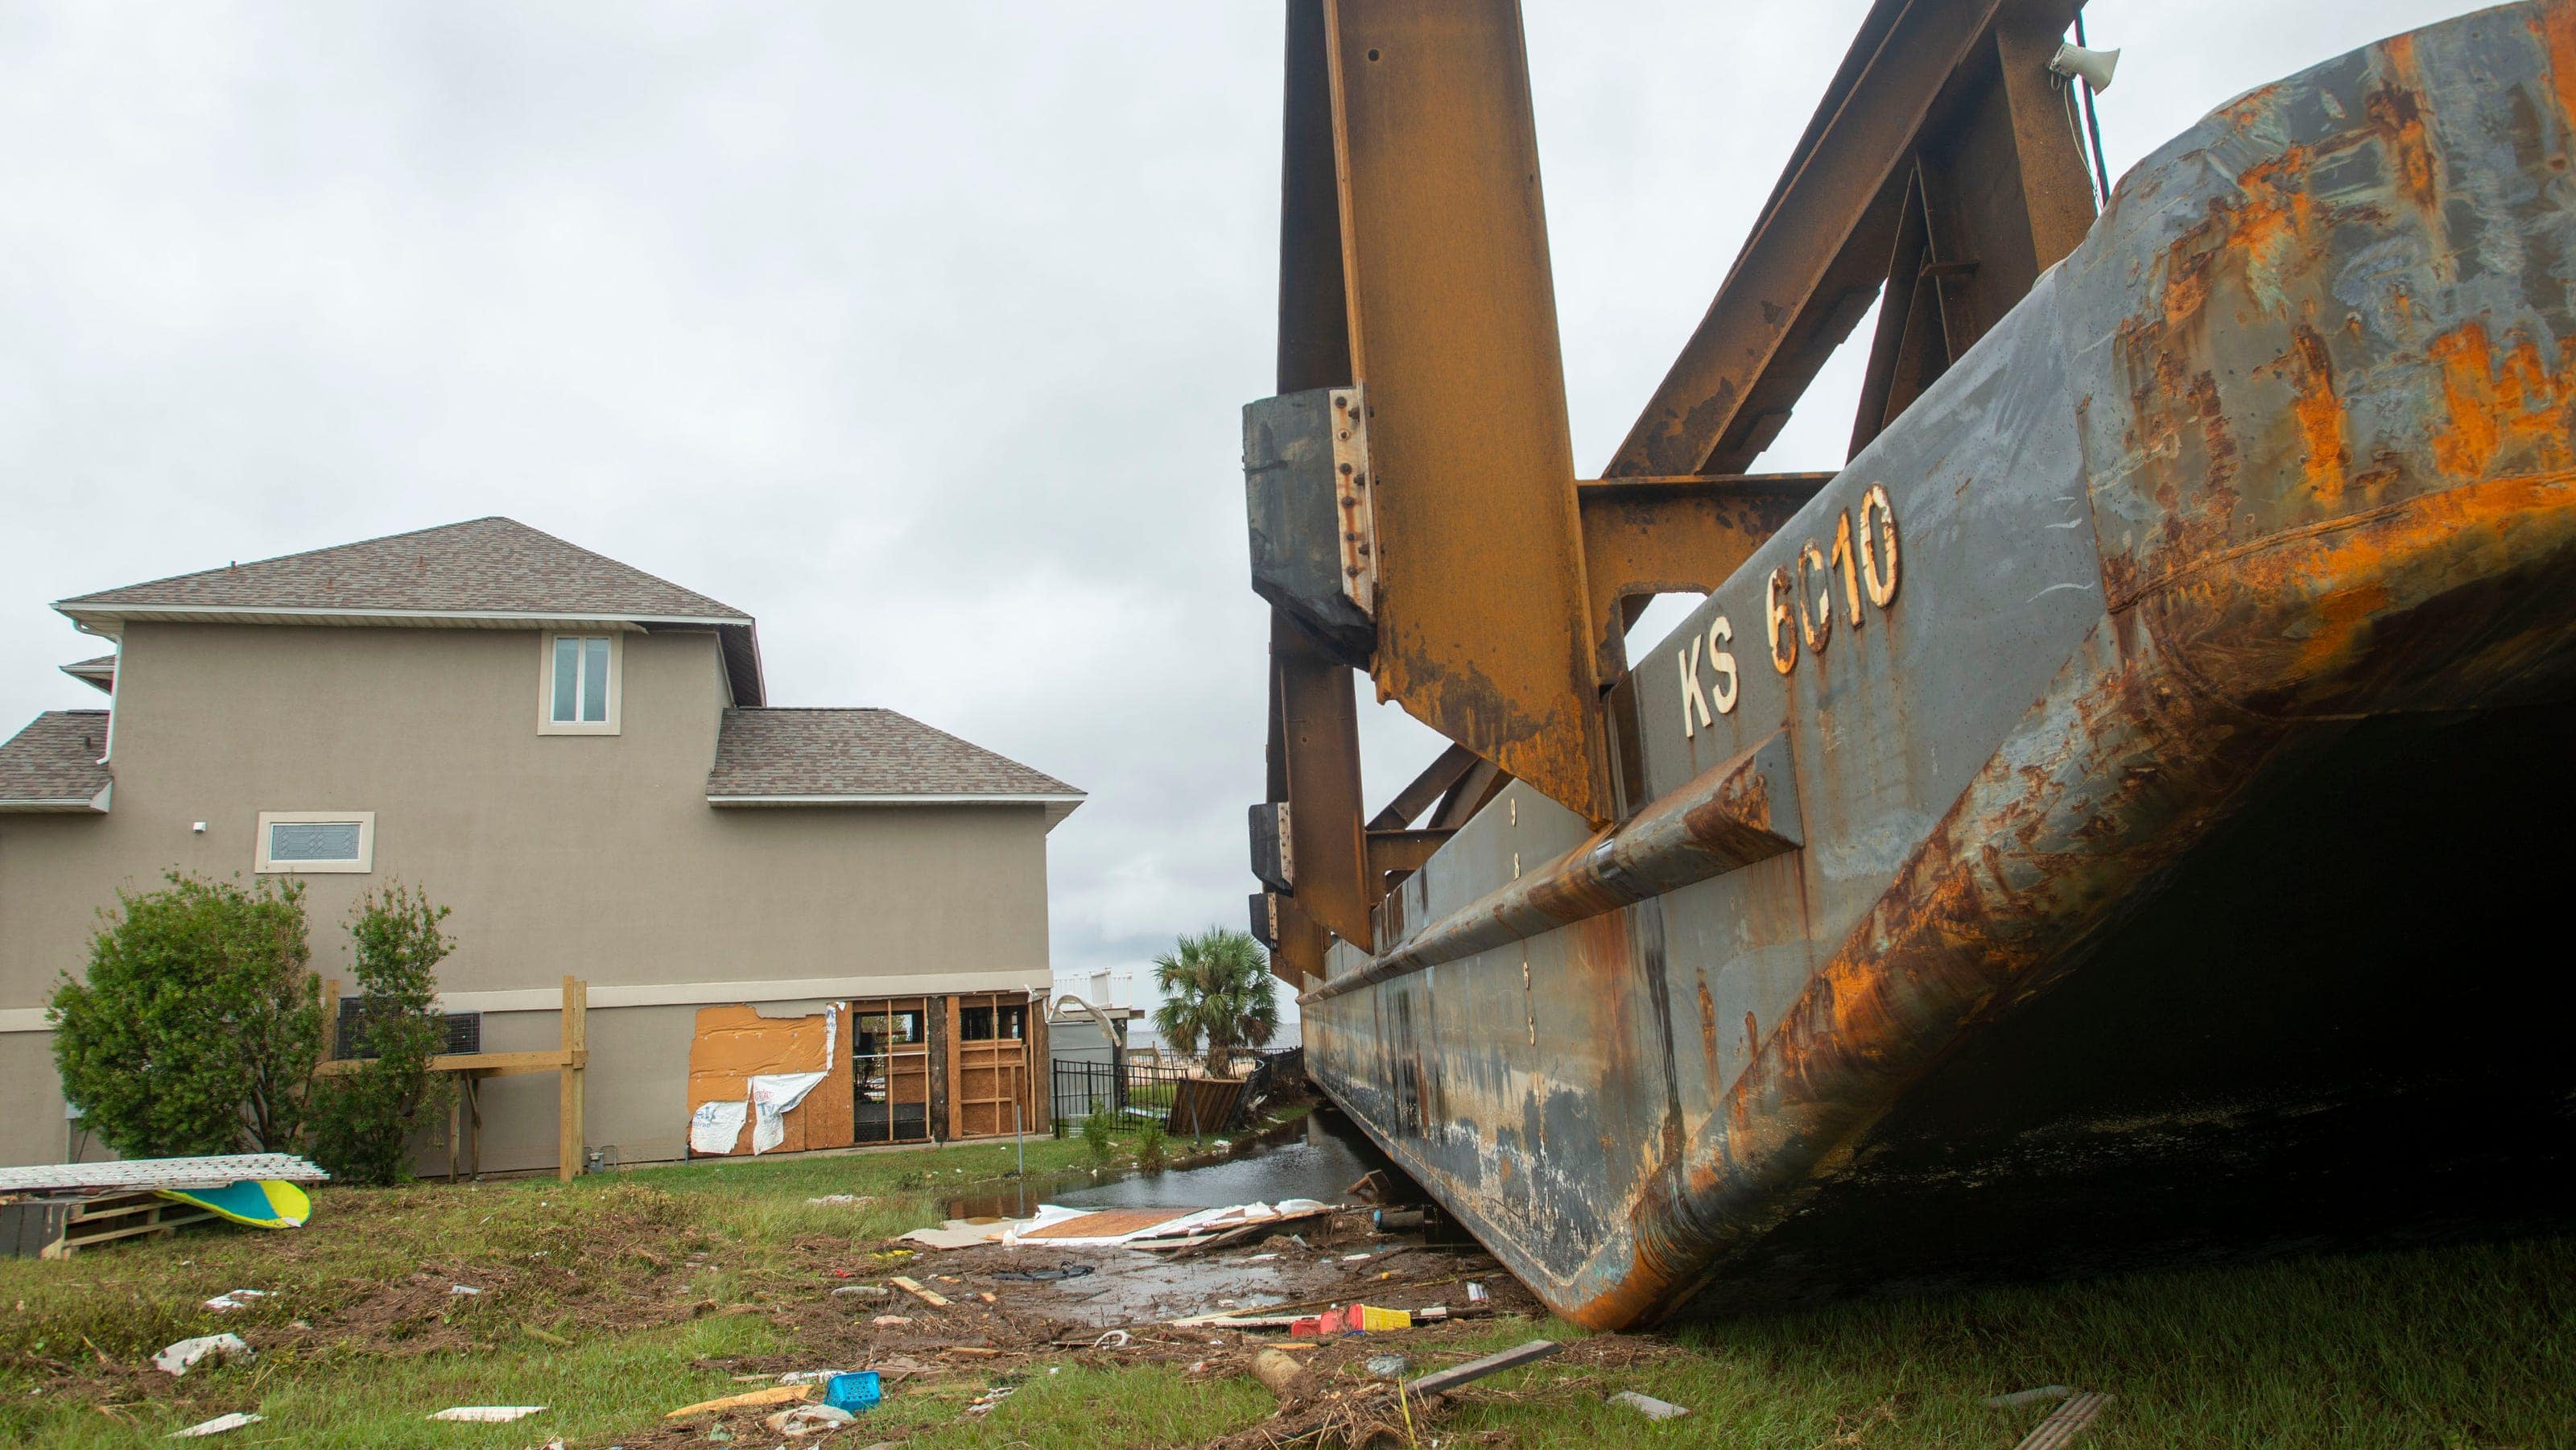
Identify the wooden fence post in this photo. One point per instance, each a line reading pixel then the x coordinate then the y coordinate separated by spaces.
pixel 573 1143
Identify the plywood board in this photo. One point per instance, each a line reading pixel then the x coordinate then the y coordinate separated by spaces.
pixel 734 1043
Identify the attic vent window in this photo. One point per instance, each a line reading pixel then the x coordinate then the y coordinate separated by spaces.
pixel 578 685
pixel 316 842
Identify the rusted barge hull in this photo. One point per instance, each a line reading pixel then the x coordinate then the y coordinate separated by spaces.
pixel 2123 814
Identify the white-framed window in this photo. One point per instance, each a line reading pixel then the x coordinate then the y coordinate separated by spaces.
pixel 577 684
pixel 315 842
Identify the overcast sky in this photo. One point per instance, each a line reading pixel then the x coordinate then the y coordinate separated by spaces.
pixel 918 332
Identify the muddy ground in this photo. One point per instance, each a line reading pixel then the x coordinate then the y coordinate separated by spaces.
pixel 1114 1307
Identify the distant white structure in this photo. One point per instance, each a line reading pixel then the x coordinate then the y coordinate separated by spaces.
pixel 1133 987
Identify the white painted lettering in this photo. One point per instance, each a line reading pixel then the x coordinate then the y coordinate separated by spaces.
pixel 1691 695
pixel 1720 632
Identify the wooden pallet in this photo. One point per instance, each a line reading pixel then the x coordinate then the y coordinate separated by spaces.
pixel 58 1228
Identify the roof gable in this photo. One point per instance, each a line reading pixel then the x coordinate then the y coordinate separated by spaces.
pixel 866 757
pixel 54 765
pixel 483 573
pixel 99 673
pixel 482 566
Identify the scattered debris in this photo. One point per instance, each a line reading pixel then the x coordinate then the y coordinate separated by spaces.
pixel 2061 1428
pixel 1114 1339
pixel 984 1403
pixel 851 1393
pixel 1475 1292
pixel 2019 1398
pixel 462 1291
pixel 211 1349
pixel 1356 1319
pixel 1066 1270
pixel 1648 1405
pixel 888 1321
pixel 863 1291
pixel 779 1395
pixel 1149 1228
pixel 809 1420
pixel 807 1376
pixel 488 1414
pixel 1386 1366
pixel 852 1200
pixel 216 1426
pixel 235 1299
pixel 1278 1370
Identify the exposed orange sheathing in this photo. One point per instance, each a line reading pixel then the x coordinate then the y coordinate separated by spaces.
pixel 735 1043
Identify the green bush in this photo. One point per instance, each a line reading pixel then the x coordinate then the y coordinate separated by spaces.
pixel 198 1025
pixel 365 1116
pixel 1152 1143
pixel 1100 1132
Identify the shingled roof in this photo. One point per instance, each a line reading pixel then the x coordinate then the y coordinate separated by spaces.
pixel 53 764
pixel 99 673
pixel 489 572
pixel 787 757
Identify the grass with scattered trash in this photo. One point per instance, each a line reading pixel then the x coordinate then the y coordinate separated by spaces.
pixel 593 1307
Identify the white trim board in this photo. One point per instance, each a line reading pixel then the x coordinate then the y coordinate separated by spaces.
pixel 710 994
pixel 892 799
pixel 686 994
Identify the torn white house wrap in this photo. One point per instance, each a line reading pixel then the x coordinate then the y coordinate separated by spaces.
pixel 716 1127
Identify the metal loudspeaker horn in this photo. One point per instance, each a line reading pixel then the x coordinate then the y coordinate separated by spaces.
pixel 2095 66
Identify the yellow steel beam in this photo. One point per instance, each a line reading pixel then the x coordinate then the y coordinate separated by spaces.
pixel 1318 730
pixel 1402 850
pixel 1482 625
pixel 1649 536
pixel 1820 249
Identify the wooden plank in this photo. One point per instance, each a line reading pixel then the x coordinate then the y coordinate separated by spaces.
pixel 948 1068
pixel 2060 1429
pixel 1040 1085
pixel 485 1064
pixel 169 1218
pixel 920 1291
pixel 1476 1369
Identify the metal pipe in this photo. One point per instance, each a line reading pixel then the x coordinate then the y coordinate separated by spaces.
pixel 1731 815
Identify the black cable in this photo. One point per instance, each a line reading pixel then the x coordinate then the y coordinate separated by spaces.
pixel 2093 125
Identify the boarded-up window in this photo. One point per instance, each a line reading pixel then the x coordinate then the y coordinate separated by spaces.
pixel 988 1066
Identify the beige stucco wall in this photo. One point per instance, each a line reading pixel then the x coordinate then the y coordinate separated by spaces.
pixel 591 855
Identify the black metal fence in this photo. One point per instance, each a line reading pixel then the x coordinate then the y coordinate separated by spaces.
pixel 1141 1091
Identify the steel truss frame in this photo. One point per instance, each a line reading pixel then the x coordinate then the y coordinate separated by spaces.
pixel 1939 172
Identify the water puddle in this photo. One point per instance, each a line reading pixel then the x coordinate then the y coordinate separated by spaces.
pixel 1319 1156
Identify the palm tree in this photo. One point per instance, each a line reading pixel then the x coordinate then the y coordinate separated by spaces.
pixel 1216 987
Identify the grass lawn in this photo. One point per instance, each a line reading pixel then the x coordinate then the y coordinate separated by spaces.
pixel 592 1306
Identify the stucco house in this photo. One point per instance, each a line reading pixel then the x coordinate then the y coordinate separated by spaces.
pixel 581 761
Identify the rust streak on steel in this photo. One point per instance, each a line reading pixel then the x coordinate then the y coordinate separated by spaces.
pixel 2134 759
pixel 1742 811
